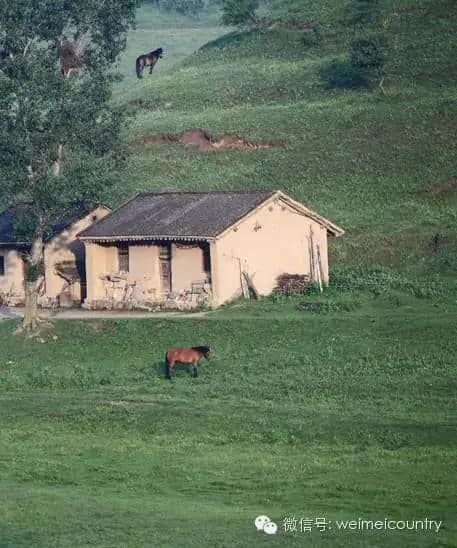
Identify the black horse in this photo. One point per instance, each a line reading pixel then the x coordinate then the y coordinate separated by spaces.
pixel 148 60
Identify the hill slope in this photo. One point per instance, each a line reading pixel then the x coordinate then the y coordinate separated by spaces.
pixel 367 161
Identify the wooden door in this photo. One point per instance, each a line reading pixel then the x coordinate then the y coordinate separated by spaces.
pixel 165 267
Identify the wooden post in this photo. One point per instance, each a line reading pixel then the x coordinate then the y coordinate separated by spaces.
pixel 311 254
pixel 319 277
pixel 243 282
pixel 215 291
pixel 250 285
pixel 319 264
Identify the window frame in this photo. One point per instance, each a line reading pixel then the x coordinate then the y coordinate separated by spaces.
pixel 123 256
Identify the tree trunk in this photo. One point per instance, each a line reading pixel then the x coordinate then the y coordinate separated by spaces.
pixel 30 321
pixel 33 283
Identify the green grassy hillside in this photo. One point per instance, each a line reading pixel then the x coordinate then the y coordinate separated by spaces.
pixel 179 37
pixel 364 159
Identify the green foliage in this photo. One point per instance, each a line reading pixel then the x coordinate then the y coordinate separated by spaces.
pixel 239 13
pixel 366 60
pixel 184 7
pixel 361 12
pixel 382 280
pixel 367 54
pixel 342 75
pixel 33 271
pixel 43 110
pixel 313 36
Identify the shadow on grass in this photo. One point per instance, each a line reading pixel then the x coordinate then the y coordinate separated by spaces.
pixel 179 370
pixel 230 39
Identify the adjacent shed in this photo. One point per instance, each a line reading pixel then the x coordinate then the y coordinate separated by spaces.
pixel 64 259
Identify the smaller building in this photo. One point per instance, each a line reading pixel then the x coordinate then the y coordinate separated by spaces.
pixel 184 249
pixel 64 257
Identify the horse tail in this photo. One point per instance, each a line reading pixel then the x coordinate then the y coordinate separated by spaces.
pixel 138 67
pixel 167 367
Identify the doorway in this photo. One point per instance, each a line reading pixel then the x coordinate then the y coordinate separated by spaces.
pixel 165 267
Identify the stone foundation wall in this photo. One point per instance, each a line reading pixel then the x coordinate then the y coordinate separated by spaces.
pixel 122 294
pixel 9 298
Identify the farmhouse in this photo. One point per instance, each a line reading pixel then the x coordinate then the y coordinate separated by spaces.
pixel 64 260
pixel 184 249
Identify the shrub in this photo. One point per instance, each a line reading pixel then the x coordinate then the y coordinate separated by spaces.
pixel 239 13
pixel 360 70
pixel 367 55
pixel 342 75
pixel 361 12
pixel 312 36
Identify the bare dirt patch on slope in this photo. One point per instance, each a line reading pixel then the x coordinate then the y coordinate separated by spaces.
pixel 200 139
pixel 444 187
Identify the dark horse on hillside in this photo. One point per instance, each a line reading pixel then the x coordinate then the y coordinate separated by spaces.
pixel 148 60
pixel 185 355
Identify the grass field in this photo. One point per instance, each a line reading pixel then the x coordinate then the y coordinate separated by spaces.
pixel 342 413
pixel 179 37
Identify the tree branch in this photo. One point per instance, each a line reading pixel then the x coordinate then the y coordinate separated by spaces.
pixel 29 43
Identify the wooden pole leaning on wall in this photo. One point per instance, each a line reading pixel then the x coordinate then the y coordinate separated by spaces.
pixel 319 268
pixel 243 283
pixel 252 291
pixel 311 254
pixel 316 270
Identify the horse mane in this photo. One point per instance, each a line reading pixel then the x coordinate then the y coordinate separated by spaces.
pixel 202 349
pixel 157 51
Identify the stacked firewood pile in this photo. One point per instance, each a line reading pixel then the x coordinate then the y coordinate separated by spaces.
pixel 292 284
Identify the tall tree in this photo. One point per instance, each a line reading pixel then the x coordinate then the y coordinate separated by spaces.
pixel 59 135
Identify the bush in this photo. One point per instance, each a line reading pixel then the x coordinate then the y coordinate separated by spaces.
pixel 367 54
pixel 342 75
pixel 239 13
pixel 312 37
pixel 360 70
pixel 361 12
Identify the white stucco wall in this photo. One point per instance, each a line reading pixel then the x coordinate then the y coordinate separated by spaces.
pixel 12 282
pixel 186 267
pixel 144 270
pixel 102 260
pixel 271 241
pixel 63 248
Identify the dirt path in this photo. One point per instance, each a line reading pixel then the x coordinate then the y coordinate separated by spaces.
pixel 80 314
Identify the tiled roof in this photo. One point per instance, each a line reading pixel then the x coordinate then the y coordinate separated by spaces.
pixel 196 215
pixel 10 216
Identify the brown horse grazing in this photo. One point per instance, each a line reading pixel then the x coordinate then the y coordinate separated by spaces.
pixel 148 60
pixel 186 355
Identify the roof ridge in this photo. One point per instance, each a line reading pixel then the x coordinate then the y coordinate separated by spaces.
pixel 205 192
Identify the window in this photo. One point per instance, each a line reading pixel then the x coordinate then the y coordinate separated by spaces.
pixel 2 265
pixel 123 258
